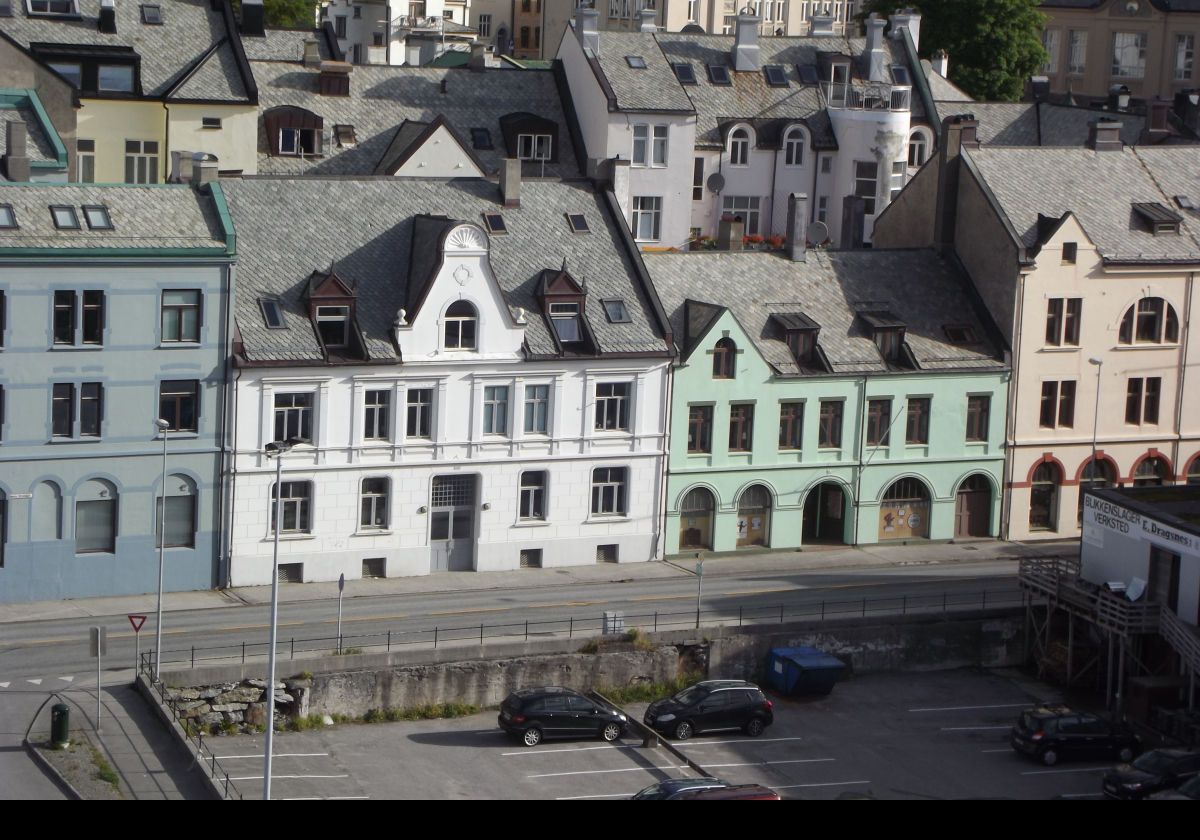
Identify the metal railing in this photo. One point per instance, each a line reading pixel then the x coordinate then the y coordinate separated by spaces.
pixel 1058 578
pixel 866 96
pixel 1180 635
pixel 593 625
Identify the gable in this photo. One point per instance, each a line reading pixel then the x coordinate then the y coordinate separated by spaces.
pixel 725 325
pixel 434 151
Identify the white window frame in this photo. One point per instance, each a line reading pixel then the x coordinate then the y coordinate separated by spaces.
pixel 426 411
pixel 380 503
pixel 739 146
pixel 647 211
pixel 614 411
pixel 485 26
pixel 495 410
pixel 861 182
pixel 539 405
pixel 537 495
pixel 1185 56
pixel 298 505
pixel 300 412
pixel 377 417
pixel 144 162
pixel 534 146
pixel 334 315
pixel 1123 42
pixel 1050 41
pixel 793 147
pixel 749 207
pixel 609 494
pixel 1077 51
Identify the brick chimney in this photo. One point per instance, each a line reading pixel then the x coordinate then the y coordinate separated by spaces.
pixel 646 18
pixel 1105 135
pixel 907 19
pixel 16 158
pixel 797 226
pixel 745 42
pixel 510 183
pixel 108 17
pixel 253 18
pixel 875 56
pixel 587 29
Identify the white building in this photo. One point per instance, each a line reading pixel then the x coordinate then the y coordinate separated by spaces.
pixel 398 31
pixel 479 372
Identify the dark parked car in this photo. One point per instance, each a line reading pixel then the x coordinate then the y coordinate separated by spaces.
pixel 731 792
pixel 1151 772
pixel 712 706
pixel 1188 790
pixel 674 788
pixel 532 714
pixel 1051 733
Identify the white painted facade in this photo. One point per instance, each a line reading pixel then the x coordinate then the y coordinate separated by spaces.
pixel 376 32
pixel 440 156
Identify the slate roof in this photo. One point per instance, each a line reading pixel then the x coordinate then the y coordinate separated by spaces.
pixel 284 45
pixel 1098 187
pixel 168 52
pixel 38 146
pixel 383 97
pixel 653 88
pixel 1017 123
pixel 943 89
pixel 831 288
pixel 280 244
pixel 1176 169
pixel 143 217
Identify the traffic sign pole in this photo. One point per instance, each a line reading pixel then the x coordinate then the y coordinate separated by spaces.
pixel 136 621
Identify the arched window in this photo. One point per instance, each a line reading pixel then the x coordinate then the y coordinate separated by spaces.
pixel 725 359
pixel 1193 471
pixel 1151 472
pixel 904 510
pixel 739 147
pixel 918 149
pixel 695 519
pixel 96 517
pixel 47 512
pixel 793 147
pixel 1150 321
pixel 1097 475
pixel 1043 497
pixel 180 514
pixel 754 516
pixel 461 326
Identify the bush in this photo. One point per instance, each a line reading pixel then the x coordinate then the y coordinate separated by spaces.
pixel 639 639
pixel 350 651
pixel 590 646
pixel 648 692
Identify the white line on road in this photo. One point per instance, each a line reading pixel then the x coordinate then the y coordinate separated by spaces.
pixel 276 755
pixel 966 708
pixel 599 796
pixel 1006 749
pixel 598 772
pixel 820 784
pixel 574 749
pixel 67 679
pixel 765 763
pixel 4 685
pixel 691 744
pixel 38 681
pixel 1073 770
pixel 321 798
pixel 1081 795
pixel 970 728
pixel 274 776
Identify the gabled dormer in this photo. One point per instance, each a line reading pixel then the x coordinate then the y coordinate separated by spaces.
pixel 887 331
pixel 530 137
pixel 801 333
pixel 332 307
pixel 97 69
pixel 564 305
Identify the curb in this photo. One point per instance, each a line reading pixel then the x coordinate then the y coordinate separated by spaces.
pixel 145 689
pixel 51 771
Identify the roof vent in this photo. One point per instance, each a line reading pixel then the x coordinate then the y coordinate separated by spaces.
pixel 745 41
pixel 108 17
pixel 1157 217
pixel 334 79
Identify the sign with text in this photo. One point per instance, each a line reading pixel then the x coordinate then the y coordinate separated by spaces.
pixel 1101 517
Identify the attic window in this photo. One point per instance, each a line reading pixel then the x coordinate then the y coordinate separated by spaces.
pixel 343 135
pixel 636 62
pixel 481 138
pixel 774 75
pixel 890 340
pixel 65 217
pixel 578 223
pixel 685 73
pixel 960 334
pixel 566 322
pixel 333 325
pixel 615 309
pixel 97 217
pixel 1157 217
pixel 1186 203
pixel 900 75
pixel 53 7
pixel 8 218
pixel 210 122
pixel 272 314
pixel 808 74
pixel 299 141
pixel 494 223
pixel 152 15
pixel 718 74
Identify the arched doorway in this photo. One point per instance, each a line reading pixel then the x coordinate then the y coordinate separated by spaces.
pixel 1043 497
pixel 825 515
pixel 695 519
pixel 754 517
pixel 904 511
pixel 973 507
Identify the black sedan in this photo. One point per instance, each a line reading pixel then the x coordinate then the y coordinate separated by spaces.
pixel 1151 772
pixel 532 714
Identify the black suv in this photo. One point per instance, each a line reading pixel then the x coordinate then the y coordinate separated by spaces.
pixel 710 706
pixel 1151 772
pixel 532 714
pixel 674 788
pixel 1054 732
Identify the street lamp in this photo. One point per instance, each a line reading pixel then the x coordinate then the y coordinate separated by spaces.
pixel 163 427
pixel 275 449
pixel 1099 363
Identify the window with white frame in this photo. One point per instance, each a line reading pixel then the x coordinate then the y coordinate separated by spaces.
pixel 53 7
pixel 739 147
pixel 533 495
pixel 537 409
pixel 485 26
pixel 461 324
pixel 693 11
pixel 612 406
pixel 823 208
pixel 658 146
pixel 85 159
pixel 1050 44
pixel 141 162
pixel 918 149
pixel 373 513
pixel 1129 54
pixel 333 325
pixel 534 146
pixel 746 206
pixel 568 326
pixel 1077 50
pixel 649 145
pixel 866 175
pixel 299 141
pixel 495 410
pixel 793 147
pixel 609 491
pixel 419 419
pixel 297 507
pixel 96 518
pixel 899 172
pixel 647 218
pixel 180 316
pixel 293 416
pixel 1185 54
pixel 377 415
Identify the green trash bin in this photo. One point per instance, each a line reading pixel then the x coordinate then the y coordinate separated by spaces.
pixel 60 724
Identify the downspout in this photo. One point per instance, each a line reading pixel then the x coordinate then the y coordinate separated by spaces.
pixel 812 210
pixel 167 138
pixel 1179 391
pixel 1010 420
pixel 858 463
pixel 774 189
pixel 660 519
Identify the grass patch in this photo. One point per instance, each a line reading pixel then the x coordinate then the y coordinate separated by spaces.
pixel 639 639
pixel 590 646
pixel 303 675
pixel 104 770
pixel 350 651
pixel 315 721
pixel 648 692
pixel 435 711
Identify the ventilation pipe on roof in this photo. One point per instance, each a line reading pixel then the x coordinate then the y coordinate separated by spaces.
pixel 907 19
pixel 874 53
pixel 797 216
pixel 820 25
pixel 204 169
pixel 941 64
pixel 181 167
pixel 108 17
pixel 510 183
pixel 1105 135
pixel 253 18
pixel 587 29
pixel 334 78
pixel 647 17
pixel 312 53
pixel 16 158
pixel 745 41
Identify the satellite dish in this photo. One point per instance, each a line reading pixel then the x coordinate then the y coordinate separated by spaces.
pixel 817 233
pixel 716 182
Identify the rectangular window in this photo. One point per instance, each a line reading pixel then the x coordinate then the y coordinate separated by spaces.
pixel 1141 400
pixel 1050 43
pixel 829 432
pixel 612 406
pixel 117 78
pixel 178 403
pixel 180 315
pixel 72 71
pixel 373 508
pixel 63 410
pixel 333 326
pixel 1185 54
pixel 91 409
pixel 1077 57
pixel 658 150
pixel 741 427
pixel 1129 54
pixel 917 431
pixel 141 162
pixel 533 495
pixel 537 409
pixel 608 491
pixel 495 410
pixel 879 421
pixel 420 413
pixel 299 141
pixel 866 175
pixel 823 208
pixel 700 419
pixel 791 425
pixel 533 146
pixel 96 526
pixel 1062 321
pixel 899 173
pixel 698 180
pixel 293 416
pixel 377 415
pixel 297 507
pixel 64 317
pixel 1069 252
pixel 746 206
pixel 339 24
pixel 978 409
pixel 485 26
pixel 86 161
pixel 181 521
pixel 1058 405
pixel 647 218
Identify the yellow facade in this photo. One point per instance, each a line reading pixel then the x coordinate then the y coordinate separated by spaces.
pixel 110 123
pixel 235 143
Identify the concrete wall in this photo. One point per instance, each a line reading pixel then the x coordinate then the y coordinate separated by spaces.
pixel 908 221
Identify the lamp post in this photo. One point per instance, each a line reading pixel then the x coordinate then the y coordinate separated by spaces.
pixel 1099 363
pixel 163 427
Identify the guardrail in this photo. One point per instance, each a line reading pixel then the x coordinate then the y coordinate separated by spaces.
pixel 594 624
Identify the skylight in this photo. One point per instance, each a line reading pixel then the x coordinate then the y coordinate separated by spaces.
pixel 808 73
pixel 152 14
pixel 344 136
pixel 718 74
pixel 6 8
pixel 272 314
pixel 636 62
pixel 494 223
pixel 97 217
pixel 685 73
pixel 481 138
pixel 615 309
pixel 775 76
pixel 65 217
pixel 1187 202
pixel 578 223
pixel 8 217
pixel 960 334
pixel 900 75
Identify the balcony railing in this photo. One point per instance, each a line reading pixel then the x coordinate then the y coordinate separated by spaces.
pixel 872 96
pixel 413 22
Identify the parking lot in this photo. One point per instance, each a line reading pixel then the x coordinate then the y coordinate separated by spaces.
pixel 897 736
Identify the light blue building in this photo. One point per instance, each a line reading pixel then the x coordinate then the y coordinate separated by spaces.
pixel 113 313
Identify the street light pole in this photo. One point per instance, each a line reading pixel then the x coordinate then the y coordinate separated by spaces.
pixel 276 450
pixel 163 427
pixel 1099 363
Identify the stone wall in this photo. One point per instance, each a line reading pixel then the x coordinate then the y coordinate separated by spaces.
pixel 238 707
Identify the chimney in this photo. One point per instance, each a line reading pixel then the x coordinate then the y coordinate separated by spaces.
pixel 1039 88
pixel 797 225
pixel 1187 108
pixel 745 41
pixel 854 214
pixel 312 53
pixel 204 169
pixel 16 159
pixel 1105 135
pixel 108 16
pixel 1118 98
pixel 949 150
pixel 647 20
pixel 477 63
pixel 820 25
pixel 510 183
pixel 1159 109
pixel 874 54
pixel 968 131
pixel 941 64
pixel 907 19
pixel 253 18
pixel 730 230
pixel 618 169
pixel 587 29
pixel 181 167
pixel 334 79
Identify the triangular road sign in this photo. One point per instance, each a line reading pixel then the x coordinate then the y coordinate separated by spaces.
pixel 137 621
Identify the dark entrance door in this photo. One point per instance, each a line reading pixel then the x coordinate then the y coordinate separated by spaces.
pixel 1164 577
pixel 973 508
pixel 825 515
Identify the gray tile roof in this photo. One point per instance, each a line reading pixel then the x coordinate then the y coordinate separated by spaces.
pixel 1098 187
pixel 943 89
pixel 282 240
pixel 1016 123
pixel 189 29
pixel 143 217
pixel 39 146
pixel 831 287
pixel 283 45
pixel 653 88
pixel 383 97
pixel 1176 170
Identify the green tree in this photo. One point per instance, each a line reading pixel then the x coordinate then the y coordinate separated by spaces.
pixel 290 14
pixel 994 45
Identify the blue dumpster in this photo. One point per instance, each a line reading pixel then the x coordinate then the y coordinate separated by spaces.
pixel 803 670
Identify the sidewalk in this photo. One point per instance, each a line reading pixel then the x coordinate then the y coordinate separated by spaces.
pixel 834 558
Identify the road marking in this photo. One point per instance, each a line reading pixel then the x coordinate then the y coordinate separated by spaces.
pixel 971 728
pixel 765 763
pixel 663 598
pixel 599 796
pixel 276 776
pixel 965 708
pixel 4 685
pixel 600 772
pixel 1006 750
pixel 573 749
pixel 474 610
pixel 566 604
pixel 819 784
pixel 67 679
pixel 681 745
pixel 1073 770
pixel 38 681
pixel 764 591
pixel 320 798
pixel 277 755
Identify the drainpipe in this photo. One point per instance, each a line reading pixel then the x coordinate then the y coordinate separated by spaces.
pixel 1010 416
pixel 816 199
pixel 229 440
pixel 660 520
pixel 858 466
pixel 1184 336
pixel 774 191
pixel 166 149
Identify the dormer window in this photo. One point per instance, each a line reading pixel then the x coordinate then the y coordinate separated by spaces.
pixel 530 137
pixel 534 146
pixel 72 71
pixel 293 131
pixel 333 325
pixel 803 344
pixel 564 317
pixel 889 342
pixel 299 141
pixel 887 331
pixel 800 334
pixel 462 323
pixel 739 147
pixel 1157 217
pixel 53 7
